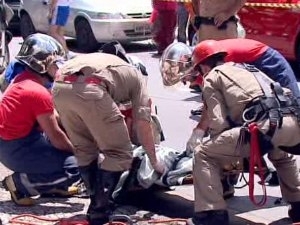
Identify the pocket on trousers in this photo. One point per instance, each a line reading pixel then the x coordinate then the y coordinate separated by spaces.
pixel 88 91
pixel 113 118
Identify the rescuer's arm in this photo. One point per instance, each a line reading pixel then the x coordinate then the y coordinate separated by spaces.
pixel 198 131
pixel 231 10
pixel 146 139
pixel 48 123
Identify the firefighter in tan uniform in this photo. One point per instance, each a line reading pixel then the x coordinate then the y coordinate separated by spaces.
pixel 216 19
pixel 87 93
pixel 233 95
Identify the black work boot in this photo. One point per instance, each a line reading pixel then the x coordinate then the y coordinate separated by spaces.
pixel 212 217
pixel 294 211
pixel 100 185
pixel 97 212
pixel 110 180
pixel 102 200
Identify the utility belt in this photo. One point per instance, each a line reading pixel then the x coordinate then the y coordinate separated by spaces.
pixel 80 78
pixel 211 21
pixel 268 108
pixel 273 105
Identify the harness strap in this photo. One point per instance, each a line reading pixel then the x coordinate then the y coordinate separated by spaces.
pixel 273 97
pixel 279 93
pixel 256 160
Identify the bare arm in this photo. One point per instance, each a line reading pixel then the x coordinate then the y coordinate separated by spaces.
pixel 53 4
pixel 146 139
pixel 48 123
pixel 204 121
pixel 52 8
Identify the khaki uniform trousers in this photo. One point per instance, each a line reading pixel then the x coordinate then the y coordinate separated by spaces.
pixel 94 125
pixel 213 154
pixel 206 32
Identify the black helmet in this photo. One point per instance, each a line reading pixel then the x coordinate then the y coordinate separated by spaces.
pixel 115 48
pixel 38 51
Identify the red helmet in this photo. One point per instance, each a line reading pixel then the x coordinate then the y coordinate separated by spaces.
pixel 206 49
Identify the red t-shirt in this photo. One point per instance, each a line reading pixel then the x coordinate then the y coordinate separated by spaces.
pixel 243 50
pixel 22 103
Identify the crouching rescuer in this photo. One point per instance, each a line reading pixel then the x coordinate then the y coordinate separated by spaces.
pixel 248 115
pixel 40 165
pixel 87 93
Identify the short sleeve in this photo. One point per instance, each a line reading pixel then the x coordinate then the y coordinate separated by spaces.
pixel 40 101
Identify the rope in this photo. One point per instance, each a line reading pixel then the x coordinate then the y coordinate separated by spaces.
pixel 255 160
pixel 18 220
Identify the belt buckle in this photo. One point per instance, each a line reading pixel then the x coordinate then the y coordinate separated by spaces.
pixel 70 78
pixel 92 80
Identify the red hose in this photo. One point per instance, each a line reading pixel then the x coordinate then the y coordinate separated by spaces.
pixel 18 220
pixel 255 160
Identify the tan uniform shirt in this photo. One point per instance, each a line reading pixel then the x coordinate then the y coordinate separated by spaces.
pixel 123 82
pixel 210 8
pixel 227 90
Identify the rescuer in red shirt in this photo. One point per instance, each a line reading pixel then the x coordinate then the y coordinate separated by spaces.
pixel 40 165
pixel 263 57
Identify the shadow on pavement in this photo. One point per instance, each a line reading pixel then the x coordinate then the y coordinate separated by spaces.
pixel 175 206
pixel 243 203
pixel 195 117
pixel 44 207
pixel 196 98
pixel 135 47
pixel 161 203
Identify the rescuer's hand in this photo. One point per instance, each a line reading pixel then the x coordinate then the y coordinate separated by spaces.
pixel 220 18
pixel 159 167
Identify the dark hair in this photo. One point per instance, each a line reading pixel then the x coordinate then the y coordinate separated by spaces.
pixel 214 59
pixel 114 48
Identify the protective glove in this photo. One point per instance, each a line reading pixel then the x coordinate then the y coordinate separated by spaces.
pixel 159 166
pixel 194 140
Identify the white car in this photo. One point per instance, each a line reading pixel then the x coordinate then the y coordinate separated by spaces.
pixel 92 21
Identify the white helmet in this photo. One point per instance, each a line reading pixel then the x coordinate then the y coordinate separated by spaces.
pixel 175 63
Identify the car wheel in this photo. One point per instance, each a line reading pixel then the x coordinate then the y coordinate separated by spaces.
pixel 26 26
pixel 84 36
